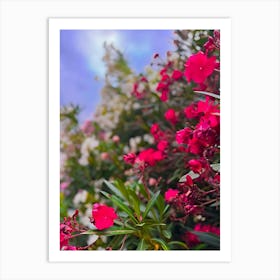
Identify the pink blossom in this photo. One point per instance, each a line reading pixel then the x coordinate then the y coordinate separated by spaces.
pixel 116 138
pixel 151 156
pixel 170 194
pixel 87 127
pixel 176 75
pixel 64 185
pixel 170 115
pixel 199 67
pixel 162 145
pixel 103 216
pixel 182 136
pixel 129 158
pixel 195 165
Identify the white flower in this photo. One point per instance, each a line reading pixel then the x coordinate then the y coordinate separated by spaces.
pixel 80 197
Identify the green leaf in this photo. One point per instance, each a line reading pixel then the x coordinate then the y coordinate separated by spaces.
pixel 110 232
pixel 164 246
pixel 142 190
pixel 208 238
pixel 167 233
pixel 141 245
pixel 135 202
pixel 178 243
pixel 113 188
pixel 166 209
pixel 121 205
pixel 121 187
pixel 150 204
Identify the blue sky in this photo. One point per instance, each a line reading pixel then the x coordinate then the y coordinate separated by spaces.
pixel 81 53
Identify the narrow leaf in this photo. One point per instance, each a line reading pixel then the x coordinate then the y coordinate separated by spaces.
pixel 121 205
pixel 110 232
pixel 164 246
pixel 208 238
pixel 113 188
pixel 141 245
pixel 179 243
pixel 150 204
pixel 208 93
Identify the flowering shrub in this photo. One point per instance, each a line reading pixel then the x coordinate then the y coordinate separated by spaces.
pixel 144 173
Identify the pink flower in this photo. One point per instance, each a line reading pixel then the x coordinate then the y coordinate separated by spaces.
pixel 104 156
pixel 87 127
pixel 162 145
pixel 191 111
pixel 199 67
pixel 170 115
pixel 182 136
pixel 129 158
pixel 152 181
pixel 195 165
pixel 207 228
pixel 164 95
pixel 170 194
pixel 103 216
pixel 194 146
pixel 69 248
pixel 193 240
pixel 64 185
pixel 157 133
pixel 176 75
pixel 116 138
pixel 151 156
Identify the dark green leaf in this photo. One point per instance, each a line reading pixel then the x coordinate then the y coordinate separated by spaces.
pixel 150 204
pixel 113 189
pixel 120 205
pixel 135 202
pixel 208 238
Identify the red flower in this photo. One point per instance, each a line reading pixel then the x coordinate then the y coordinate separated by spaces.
pixel 170 115
pixel 176 75
pixel 151 156
pixel 164 95
pixel 182 136
pixel 170 194
pixel 103 216
pixel 129 158
pixel 191 111
pixel 207 228
pixel 199 67
pixel 162 145
pixel 157 133
pixel 195 165
pixel 194 146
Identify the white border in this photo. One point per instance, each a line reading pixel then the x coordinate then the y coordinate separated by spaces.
pixel 55 255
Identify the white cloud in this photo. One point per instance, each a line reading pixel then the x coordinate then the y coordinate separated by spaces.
pixel 90 45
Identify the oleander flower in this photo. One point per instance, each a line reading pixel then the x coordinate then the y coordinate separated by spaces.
pixel 199 67
pixel 170 115
pixel 129 158
pixel 182 136
pixel 151 156
pixel 176 75
pixel 170 194
pixel 103 216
